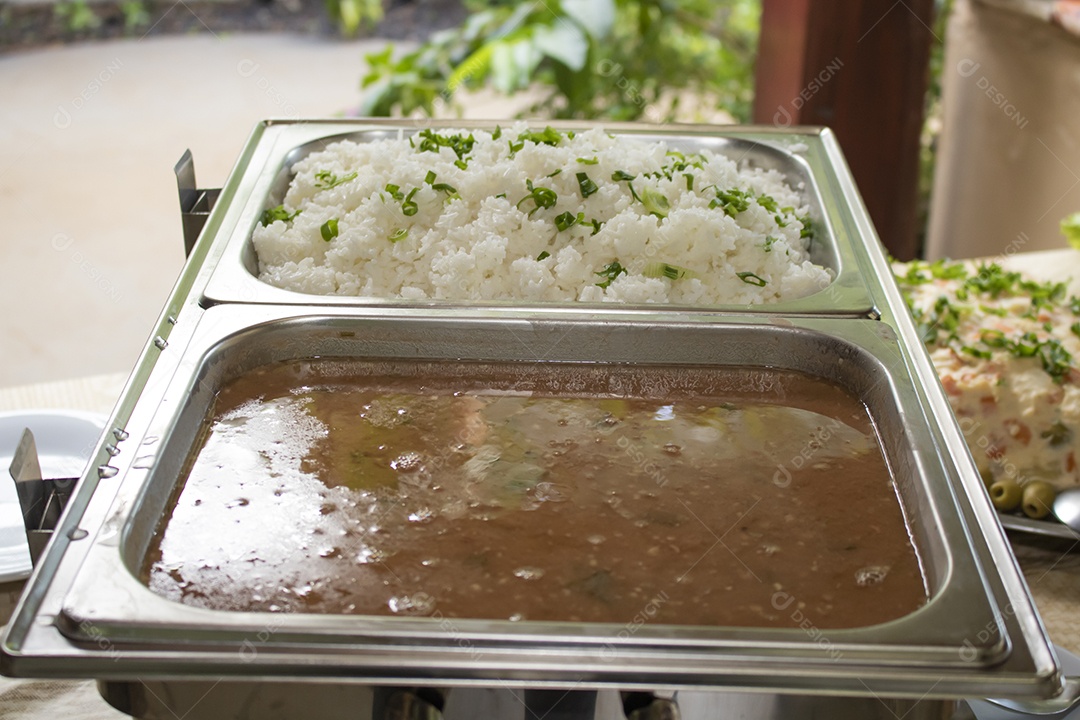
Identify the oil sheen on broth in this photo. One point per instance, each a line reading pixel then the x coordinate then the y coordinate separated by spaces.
pixel 702 496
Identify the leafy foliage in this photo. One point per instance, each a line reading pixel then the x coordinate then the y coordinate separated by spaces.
pixel 350 15
pixel 76 15
pixel 136 15
pixel 615 59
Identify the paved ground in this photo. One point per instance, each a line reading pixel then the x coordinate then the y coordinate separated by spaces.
pixel 91 244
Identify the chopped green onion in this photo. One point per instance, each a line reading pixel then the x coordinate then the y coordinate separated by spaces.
pixel 612 271
pixel 278 213
pixel 497 133
pixel 325 180
pixel 547 136
pixel 543 256
pixel 588 161
pixel 976 352
pixel 733 201
pixel 689 181
pixel 671 272
pixel 395 191
pixel 620 175
pixel 655 203
pixel 408 206
pixel 431 141
pixel 993 338
pixel 751 279
pixel 398 235
pixel 541 197
pixel 768 203
pixel 568 220
pixel 588 187
pixel 329 229
pixel 769 241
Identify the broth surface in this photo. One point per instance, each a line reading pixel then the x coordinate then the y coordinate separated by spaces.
pixel 691 496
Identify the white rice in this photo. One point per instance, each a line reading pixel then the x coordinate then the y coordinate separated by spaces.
pixel 483 242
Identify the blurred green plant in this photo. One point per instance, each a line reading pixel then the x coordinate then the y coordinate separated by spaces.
pixel 1070 228
pixel 350 15
pixel 76 16
pixel 612 59
pixel 135 15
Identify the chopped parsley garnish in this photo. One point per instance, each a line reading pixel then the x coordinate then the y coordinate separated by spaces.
pixel 325 180
pixel 543 256
pixel 1057 434
pixel 751 279
pixel 612 271
pixel 587 186
pixel 1053 357
pixel 329 229
pixel 398 235
pixel 278 213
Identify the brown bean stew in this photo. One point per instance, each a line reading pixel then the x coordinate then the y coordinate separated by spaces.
pixel 597 493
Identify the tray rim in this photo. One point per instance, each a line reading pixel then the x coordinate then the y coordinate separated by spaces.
pixel 785 640
pixel 848 294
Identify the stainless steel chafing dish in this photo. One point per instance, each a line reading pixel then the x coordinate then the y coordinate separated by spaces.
pixel 86 614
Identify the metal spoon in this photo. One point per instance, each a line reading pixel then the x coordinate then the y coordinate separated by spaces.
pixel 1067 508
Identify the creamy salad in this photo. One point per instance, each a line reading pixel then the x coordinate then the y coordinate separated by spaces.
pixel 1007 350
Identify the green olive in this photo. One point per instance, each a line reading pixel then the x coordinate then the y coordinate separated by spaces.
pixel 1005 494
pixel 1038 499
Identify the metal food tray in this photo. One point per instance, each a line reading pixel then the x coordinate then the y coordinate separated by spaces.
pixel 85 614
pixel 264 173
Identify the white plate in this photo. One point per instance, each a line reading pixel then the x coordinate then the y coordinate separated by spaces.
pixel 65 440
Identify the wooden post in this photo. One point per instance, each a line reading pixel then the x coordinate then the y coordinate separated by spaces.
pixel 859 67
